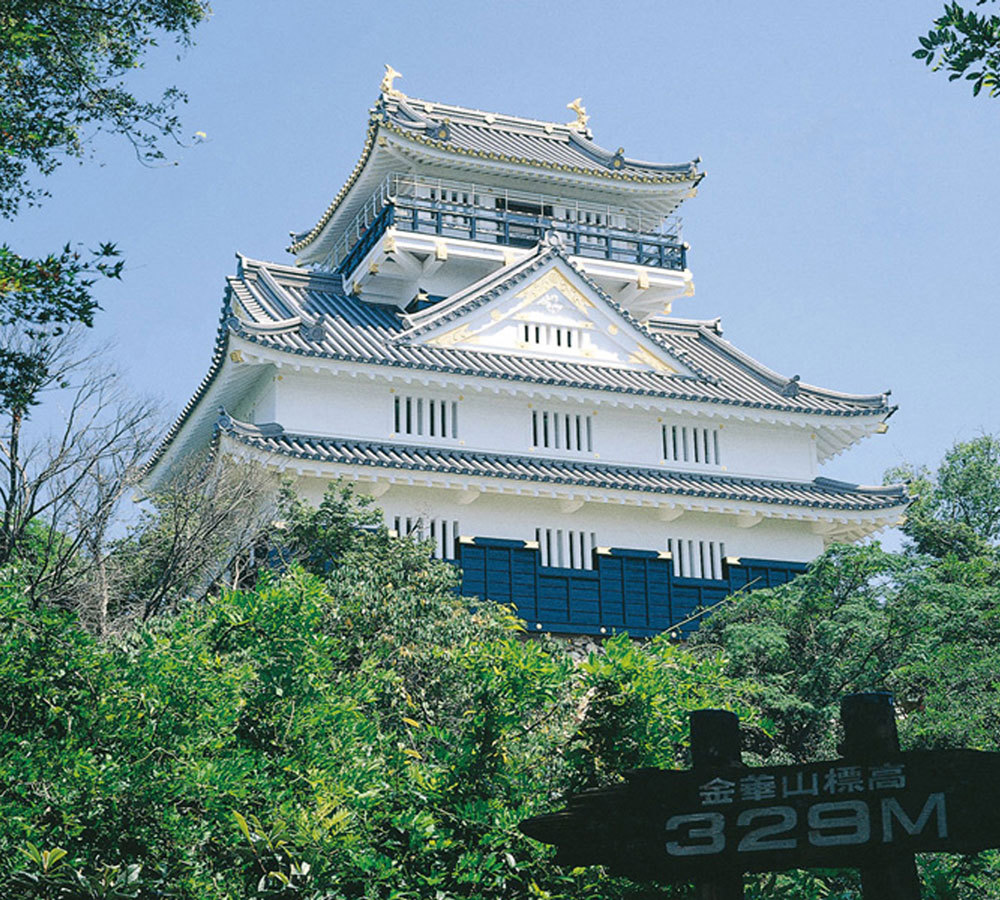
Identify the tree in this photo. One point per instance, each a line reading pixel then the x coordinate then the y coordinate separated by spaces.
pixel 955 510
pixel 59 491
pixel 201 523
pixel 363 733
pixel 967 45
pixel 64 68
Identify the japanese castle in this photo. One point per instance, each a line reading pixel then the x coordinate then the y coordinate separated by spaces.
pixel 479 333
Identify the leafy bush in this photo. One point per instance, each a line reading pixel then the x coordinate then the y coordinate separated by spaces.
pixel 364 734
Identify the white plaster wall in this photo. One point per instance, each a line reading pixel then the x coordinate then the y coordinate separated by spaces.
pixel 340 406
pixel 263 401
pixel 615 525
pixel 774 451
pixel 324 404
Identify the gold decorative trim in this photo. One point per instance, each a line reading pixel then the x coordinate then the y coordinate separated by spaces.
pixel 342 193
pixel 370 138
pixel 666 178
pixel 390 76
pixel 642 356
pixel 462 334
pixel 580 123
pixel 554 278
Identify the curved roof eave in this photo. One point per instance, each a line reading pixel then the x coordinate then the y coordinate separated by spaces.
pixel 711 330
pixel 218 360
pixel 821 494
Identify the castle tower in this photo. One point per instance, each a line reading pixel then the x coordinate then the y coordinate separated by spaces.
pixel 479 332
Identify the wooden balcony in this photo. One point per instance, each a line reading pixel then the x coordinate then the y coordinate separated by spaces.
pixel 510 219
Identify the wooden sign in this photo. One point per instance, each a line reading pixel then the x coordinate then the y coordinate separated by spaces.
pixel 681 826
pixel 871 810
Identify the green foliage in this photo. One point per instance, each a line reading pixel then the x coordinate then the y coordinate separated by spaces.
pixel 63 68
pixel 860 620
pixel 54 290
pixel 38 299
pixel 637 703
pixel 316 537
pixel 363 734
pixel 835 630
pixel 965 44
pixel 956 511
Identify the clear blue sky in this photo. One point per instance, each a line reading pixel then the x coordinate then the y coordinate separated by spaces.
pixel 848 229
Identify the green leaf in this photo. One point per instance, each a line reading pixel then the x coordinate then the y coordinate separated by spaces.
pixel 243 825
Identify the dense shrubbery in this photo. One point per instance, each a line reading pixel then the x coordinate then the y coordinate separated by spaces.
pixel 349 728
pixel 359 735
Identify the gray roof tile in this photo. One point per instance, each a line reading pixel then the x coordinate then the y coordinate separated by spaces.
pixel 822 493
pixel 376 333
pixel 494 138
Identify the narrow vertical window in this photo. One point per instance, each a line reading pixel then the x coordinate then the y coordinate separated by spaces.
pixel 435 418
pixel 690 444
pixel 561 431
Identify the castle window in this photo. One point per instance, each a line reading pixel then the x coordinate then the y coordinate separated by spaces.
pixel 566 548
pixel 562 431
pixel 690 444
pixel 557 337
pixel 425 417
pixel 442 532
pixel 697 559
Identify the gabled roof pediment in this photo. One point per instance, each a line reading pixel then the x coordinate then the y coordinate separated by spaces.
pixel 542 307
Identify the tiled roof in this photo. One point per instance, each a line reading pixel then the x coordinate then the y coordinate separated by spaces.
pixel 348 328
pixel 517 139
pixel 307 314
pixel 492 138
pixel 822 493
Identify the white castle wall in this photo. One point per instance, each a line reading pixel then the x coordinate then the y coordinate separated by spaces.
pixel 321 404
pixel 517 517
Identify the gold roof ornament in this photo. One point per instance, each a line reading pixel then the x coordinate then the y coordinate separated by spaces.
pixel 581 115
pixel 390 76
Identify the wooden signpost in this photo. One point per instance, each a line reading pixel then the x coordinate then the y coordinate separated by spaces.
pixel 872 810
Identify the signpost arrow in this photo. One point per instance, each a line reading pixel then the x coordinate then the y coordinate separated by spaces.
pixel 871 809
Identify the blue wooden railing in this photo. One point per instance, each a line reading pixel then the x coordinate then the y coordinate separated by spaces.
pixel 627 590
pixel 501 226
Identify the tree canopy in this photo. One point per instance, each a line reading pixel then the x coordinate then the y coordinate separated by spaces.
pixel 63 70
pixel 347 726
pixel 955 510
pixel 966 44
pixel 348 732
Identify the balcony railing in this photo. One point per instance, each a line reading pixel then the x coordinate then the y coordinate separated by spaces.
pixel 510 218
